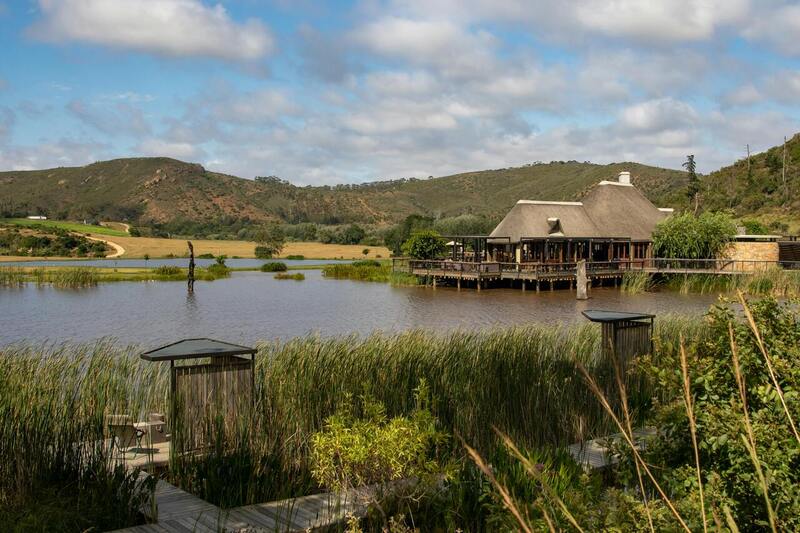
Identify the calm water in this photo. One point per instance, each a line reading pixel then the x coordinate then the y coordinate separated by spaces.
pixel 252 306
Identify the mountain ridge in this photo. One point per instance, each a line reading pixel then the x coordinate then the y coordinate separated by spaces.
pixel 161 190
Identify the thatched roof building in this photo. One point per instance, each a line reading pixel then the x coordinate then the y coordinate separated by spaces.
pixel 610 209
pixel 613 212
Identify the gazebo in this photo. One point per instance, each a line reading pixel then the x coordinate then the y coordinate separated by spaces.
pixel 625 335
pixel 207 376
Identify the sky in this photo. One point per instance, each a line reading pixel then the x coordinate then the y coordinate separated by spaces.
pixel 320 93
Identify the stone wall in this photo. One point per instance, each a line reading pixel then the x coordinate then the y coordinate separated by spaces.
pixel 752 251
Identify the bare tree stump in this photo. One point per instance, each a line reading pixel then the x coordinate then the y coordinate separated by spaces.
pixel 191 266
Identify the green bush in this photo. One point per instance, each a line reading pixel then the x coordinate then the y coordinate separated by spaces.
pixel 425 244
pixel 297 276
pixel 366 263
pixel 296 257
pixel 361 445
pixel 687 236
pixel 168 270
pixel 274 266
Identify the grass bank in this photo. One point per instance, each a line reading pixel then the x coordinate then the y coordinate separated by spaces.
pixel 66 225
pixel 774 282
pixel 369 270
pixel 75 277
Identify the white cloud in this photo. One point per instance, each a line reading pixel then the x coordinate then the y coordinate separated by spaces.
pixel 660 115
pixel 653 22
pixel 743 95
pixel 61 153
pixel 175 28
pixel 120 118
pixel 784 87
pixel 666 21
pixel 7 119
pixel 154 147
pixel 778 26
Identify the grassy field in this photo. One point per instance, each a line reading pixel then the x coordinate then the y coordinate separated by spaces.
pixel 69 226
pixel 137 247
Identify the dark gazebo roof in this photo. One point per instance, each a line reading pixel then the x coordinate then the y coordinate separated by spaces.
pixel 599 315
pixel 196 348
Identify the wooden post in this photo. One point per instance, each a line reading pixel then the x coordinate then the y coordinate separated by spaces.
pixel 191 266
pixel 458 282
pixel 523 285
pixel 581 281
pixel 434 282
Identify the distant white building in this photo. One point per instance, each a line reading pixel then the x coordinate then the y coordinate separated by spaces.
pixel 37 217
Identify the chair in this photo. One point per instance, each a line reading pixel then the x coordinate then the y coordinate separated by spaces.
pixel 158 428
pixel 123 433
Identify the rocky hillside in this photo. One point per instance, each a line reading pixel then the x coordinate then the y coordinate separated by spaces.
pixel 160 190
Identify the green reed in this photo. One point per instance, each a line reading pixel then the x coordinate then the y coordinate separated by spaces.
pixel 773 282
pixel 522 380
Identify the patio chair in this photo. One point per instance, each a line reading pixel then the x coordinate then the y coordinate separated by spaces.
pixel 158 428
pixel 123 433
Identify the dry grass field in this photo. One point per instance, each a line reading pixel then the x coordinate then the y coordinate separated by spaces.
pixel 137 247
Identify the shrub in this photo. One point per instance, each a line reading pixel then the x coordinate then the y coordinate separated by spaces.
pixel 274 266
pixel 168 270
pixel 426 244
pixel 687 236
pixel 366 263
pixel 206 256
pixel 296 257
pixel 360 445
pixel 270 241
pixel 297 276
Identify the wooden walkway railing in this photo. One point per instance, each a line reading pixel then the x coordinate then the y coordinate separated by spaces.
pixel 484 270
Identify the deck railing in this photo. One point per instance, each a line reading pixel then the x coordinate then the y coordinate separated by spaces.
pixel 665 265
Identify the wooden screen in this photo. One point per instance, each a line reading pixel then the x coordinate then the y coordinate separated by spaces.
pixel 205 395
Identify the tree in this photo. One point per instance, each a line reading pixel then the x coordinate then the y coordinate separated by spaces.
pixel 693 188
pixel 365 252
pixel 270 240
pixel 396 236
pixel 687 236
pixel 425 244
pixel 353 234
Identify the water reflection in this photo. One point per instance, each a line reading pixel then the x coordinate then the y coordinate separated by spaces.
pixel 252 306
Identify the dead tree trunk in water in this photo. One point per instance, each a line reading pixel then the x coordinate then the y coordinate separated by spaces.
pixel 191 266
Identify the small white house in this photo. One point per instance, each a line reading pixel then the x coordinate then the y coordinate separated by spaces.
pixel 37 217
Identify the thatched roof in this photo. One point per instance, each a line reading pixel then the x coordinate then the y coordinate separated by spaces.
pixel 610 209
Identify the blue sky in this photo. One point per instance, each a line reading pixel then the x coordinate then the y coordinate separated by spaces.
pixel 324 93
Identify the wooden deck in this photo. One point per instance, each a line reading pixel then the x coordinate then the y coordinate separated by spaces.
pixel 550 273
pixel 177 511
pixel 595 455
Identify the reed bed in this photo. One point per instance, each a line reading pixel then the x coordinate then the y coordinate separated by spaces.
pixel 12 277
pixel 299 276
pixel 636 282
pixel 53 400
pixel 773 282
pixel 521 380
pixel 370 270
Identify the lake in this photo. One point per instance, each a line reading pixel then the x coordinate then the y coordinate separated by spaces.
pixel 252 306
pixel 152 263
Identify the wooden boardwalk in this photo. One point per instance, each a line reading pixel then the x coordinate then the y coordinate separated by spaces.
pixel 550 273
pixel 595 455
pixel 177 511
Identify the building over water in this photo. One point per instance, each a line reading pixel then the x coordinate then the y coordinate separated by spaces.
pixel 614 221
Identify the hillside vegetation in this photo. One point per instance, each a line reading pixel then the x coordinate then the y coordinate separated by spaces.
pixel 758 189
pixel 161 191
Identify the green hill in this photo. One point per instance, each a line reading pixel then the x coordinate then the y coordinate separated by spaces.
pixel 161 190
pixel 758 190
